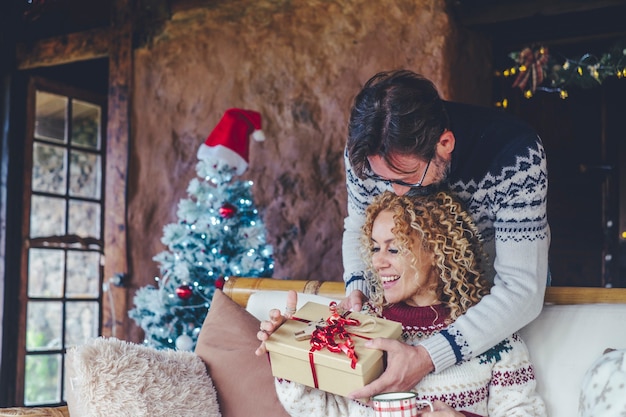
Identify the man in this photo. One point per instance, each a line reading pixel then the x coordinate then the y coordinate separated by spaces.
pixel 403 137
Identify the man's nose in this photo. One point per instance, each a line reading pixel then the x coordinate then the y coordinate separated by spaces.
pixel 400 189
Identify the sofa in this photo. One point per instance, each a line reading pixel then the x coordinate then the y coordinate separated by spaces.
pixel 223 377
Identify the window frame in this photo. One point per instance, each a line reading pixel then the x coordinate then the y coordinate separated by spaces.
pixel 36 83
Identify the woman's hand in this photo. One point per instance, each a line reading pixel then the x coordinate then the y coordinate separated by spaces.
pixel 441 410
pixel 276 320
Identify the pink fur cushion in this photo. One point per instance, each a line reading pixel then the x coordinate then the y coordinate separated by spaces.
pixel 110 377
pixel 244 381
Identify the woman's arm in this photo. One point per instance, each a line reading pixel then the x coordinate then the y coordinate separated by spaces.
pixel 512 391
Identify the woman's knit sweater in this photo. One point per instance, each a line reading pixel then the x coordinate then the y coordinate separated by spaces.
pixel 499 382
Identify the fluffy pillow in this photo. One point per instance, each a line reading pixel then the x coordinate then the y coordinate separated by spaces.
pixel 244 381
pixel 110 377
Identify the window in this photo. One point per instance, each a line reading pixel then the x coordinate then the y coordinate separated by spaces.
pixel 62 252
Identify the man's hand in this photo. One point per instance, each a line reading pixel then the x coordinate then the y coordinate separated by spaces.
pixel 406 366
pixel 353 302
pixel 276 320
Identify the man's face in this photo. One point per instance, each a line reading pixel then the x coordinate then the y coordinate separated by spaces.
pixel 411 175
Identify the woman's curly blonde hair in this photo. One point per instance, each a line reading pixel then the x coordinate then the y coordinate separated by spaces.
pixel 447 231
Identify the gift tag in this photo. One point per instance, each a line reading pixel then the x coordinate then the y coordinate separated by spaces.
pixel 307 332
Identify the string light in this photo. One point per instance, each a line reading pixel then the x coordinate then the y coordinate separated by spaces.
pixel 536 69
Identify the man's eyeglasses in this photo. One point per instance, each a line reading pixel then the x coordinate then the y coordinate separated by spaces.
pixel 402 183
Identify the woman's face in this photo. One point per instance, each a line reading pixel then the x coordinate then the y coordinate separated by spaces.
pixel 402 282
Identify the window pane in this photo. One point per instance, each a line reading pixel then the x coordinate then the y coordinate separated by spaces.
pixel 81 322
pixel 85 125
pixel 49 168
pixel 43 379
pixel 43 325
pixel 85 175
pixel 50 115
pixel 45 272
pixel 83 274
pixel 84 219
pixel 47 216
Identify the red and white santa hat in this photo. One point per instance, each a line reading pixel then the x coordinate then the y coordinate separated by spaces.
pixel 229 140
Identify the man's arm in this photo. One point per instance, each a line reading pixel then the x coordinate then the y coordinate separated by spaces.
pixel 514 301
pixel 522 239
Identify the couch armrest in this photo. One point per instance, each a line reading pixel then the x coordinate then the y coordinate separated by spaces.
pixel 239 289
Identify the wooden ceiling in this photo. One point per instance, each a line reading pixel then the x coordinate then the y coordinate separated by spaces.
pixel 512 23
pixel 509 23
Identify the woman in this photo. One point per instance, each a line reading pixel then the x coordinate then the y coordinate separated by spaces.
pixel 425 255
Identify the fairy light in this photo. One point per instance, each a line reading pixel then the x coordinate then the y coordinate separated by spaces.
pixel 536 70
pixel 503 104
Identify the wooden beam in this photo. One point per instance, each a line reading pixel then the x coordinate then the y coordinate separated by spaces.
pixel 115 313
pixel 474 13
pixel 64 49
pixel 586 295
pixel 240 289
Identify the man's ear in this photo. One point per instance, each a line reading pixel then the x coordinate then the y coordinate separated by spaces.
pixel 445 146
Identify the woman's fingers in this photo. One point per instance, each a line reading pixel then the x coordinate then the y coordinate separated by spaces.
pixel 276 319
pixel 291 304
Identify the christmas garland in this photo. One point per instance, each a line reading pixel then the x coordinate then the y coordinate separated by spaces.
pixel 535 69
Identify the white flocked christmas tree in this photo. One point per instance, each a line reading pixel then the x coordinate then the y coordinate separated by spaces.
pixel 219 233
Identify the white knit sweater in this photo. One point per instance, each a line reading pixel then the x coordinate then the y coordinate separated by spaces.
pixel 498 383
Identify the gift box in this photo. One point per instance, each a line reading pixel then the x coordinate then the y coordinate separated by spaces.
pixel 301 350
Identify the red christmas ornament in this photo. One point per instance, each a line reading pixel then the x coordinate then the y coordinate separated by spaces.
pixel 227 211
pixel 219 283
pixel 184 292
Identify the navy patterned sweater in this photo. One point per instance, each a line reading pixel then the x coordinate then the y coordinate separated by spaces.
pixel 498 169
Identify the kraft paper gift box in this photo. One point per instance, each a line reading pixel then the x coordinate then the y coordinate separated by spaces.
pixel 293 359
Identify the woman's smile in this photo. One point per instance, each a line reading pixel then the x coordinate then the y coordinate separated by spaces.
pixel 401 280
pixel 389 280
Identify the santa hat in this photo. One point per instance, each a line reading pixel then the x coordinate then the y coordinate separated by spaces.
pixel 229 140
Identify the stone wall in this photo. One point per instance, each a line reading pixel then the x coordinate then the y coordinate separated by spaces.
pixel 299 63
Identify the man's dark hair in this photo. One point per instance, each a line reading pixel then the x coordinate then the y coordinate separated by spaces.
pixel 396 113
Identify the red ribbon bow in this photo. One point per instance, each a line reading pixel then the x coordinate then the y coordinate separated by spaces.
pixel 326 334
pixel 334 336
pixel 535 63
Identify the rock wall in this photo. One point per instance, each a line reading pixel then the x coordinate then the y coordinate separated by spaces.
pixel 299 63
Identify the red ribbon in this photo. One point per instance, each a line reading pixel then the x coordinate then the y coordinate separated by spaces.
pixel 334 337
